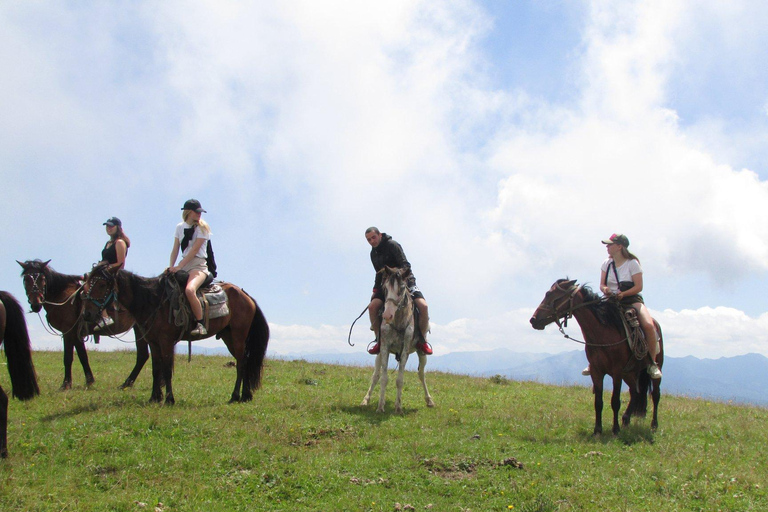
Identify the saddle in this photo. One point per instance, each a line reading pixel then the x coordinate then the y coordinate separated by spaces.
pixel 212 297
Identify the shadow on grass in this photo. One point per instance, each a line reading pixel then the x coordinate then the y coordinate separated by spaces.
pixel 368 412
pixel 631 435
pixel 75 411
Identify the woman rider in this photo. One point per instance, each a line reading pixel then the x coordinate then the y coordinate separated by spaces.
pixel 113 255
pixel 192 237
pixel 621 275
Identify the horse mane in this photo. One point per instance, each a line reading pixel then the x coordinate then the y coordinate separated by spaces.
pixel 147 292
pixel 607 311
pixel 56 282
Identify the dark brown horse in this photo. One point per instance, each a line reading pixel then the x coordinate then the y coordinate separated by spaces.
pixel 59 295
pixel 244 329
pixel 607 349
pixel 14 335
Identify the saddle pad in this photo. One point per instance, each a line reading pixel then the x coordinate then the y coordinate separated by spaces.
pixel 216 300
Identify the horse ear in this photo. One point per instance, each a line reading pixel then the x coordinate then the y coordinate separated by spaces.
pixel 22 265
pixel 45 263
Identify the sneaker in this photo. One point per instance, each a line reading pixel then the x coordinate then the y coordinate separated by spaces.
pixel 199 330
pixel 424 347
pixel 654 371
pixel 103 323
pixel 375 349
pixel 586 372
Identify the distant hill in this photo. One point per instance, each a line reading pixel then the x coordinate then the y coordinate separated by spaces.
pixel 740 379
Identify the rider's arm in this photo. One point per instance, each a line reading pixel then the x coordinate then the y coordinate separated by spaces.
pixel 399 254
pixel 120 249
pixel 192 252
pixel 174 252
pixel 603 284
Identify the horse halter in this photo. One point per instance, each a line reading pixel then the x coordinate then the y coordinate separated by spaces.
pixel 35 288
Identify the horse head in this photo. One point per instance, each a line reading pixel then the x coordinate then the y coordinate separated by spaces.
pixel 395 288
pixel 557 303
pixel 36 275
pixel 99 290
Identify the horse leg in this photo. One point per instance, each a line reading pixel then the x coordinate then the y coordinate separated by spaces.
pixel 374 381
pixel 227 336
pixel 655 395
pixel 616 403
pixel 3 423
pixel 168 361
pixel 240 365
pixel 68 357
pixel 422 364
pixel 400 379
pixel 82 355
pixel 142 354
pixel 157 376
pixel 597 389
pixel 383 363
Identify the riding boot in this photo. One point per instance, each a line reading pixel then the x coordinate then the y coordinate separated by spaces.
pixel 423 346
pixel 376 348
pixel 198 329
pixel 586 371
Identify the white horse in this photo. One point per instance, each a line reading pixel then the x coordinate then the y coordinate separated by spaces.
pixel 398 336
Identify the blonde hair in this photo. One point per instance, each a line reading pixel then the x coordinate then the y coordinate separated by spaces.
pixel 204 227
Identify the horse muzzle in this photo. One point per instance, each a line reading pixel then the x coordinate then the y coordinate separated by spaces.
pixel 538 324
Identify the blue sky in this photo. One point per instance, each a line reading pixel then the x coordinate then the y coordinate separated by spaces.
pixel 499 142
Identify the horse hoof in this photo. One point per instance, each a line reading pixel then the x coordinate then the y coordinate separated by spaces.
pixel 246 398
pixel 364 403
pixel 380 409
pixel 3 454
pixel 430 403
pixel 66 386
pixel 125 385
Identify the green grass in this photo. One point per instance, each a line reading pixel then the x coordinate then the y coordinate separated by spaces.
pixel 304 443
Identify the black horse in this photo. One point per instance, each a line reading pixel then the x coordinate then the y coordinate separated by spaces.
pixel 14 335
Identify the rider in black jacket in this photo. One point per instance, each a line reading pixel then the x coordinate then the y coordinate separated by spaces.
pixel 385 252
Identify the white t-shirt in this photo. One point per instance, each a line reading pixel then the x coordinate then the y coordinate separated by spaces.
pixel 625 271
pixel 179 235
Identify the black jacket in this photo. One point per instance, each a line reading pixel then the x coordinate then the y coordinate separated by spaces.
pixel 388 254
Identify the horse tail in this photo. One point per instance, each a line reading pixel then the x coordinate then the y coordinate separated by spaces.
pixel 256 346
pixel 18 350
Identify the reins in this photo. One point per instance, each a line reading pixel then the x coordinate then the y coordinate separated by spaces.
pixel 349 336
pixel 569 313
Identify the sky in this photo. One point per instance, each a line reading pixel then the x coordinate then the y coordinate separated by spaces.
pixel 499 142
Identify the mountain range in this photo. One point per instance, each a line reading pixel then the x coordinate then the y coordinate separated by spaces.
pixel 740 379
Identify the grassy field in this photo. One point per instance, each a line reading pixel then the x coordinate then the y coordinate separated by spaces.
pixel 304 443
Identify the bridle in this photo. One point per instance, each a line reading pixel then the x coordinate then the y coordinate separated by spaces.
pixel 109 296
pixel 557 315
pixel 36 289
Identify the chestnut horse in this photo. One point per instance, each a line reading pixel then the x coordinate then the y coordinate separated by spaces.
pixel 399 332
pixel 59 295
pixel 14 335
pixel 608 351
pixel 244 329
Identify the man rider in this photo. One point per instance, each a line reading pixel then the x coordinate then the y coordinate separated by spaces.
pixel 385 252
